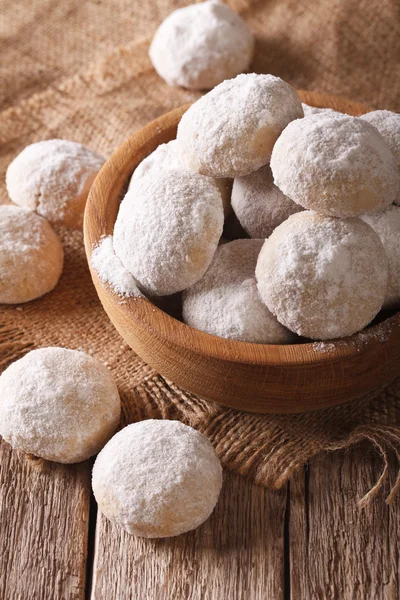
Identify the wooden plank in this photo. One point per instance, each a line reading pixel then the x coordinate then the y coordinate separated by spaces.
pixel 337 550
pixel 238 554
pixel 44 509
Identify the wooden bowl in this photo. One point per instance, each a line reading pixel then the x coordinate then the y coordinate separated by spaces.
pixel 252 377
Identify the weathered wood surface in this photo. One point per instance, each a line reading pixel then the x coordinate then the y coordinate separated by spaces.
pixel 310 541
pixel 256 547
pixel 337 551
pixel 238 554
pixel 44 515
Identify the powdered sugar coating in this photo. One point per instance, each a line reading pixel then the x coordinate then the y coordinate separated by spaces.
pixel 259 205
pixel 387 225
pixel 336 165
pixel 59 404
pixel 388 125
pixel 315 110
pixel 31 256
pixel 321 276
pixel 225 302
pixel 53 178
pixel 166 156
pixel 199 46
pixel 230 131
pixel 157 479
pixel 167 230
pixel 110 269
pixel 378 333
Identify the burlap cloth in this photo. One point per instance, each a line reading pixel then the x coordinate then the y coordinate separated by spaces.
pixel 80 70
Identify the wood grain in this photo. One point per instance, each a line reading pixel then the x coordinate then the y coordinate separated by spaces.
pixel 310 542
pixel 254 377
pixel 238 554
pixel 338 550
pixel 44 514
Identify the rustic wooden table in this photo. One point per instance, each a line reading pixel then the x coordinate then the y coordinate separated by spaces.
pixel 308 541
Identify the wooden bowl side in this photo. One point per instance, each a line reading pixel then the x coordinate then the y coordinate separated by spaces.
pixel 253 377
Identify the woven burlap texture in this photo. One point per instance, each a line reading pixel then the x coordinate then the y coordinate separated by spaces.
pixel 337 47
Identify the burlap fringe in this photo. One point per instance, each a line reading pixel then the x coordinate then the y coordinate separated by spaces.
pixel 385 440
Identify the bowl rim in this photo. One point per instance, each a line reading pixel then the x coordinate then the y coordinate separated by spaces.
pixel 111 178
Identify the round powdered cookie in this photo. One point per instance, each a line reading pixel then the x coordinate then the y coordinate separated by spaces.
pixel 200 45
pixel 53 178
pixel 225 302
pixel 167 157
pixel 157 479
pixel 387 226
pixel 388 125
pixel 259 205
pixel 31 256
pixel 323 277
pixel 335 165
pixel 167 230
pixel 59 404
pixel 314 110
pixel 231 130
